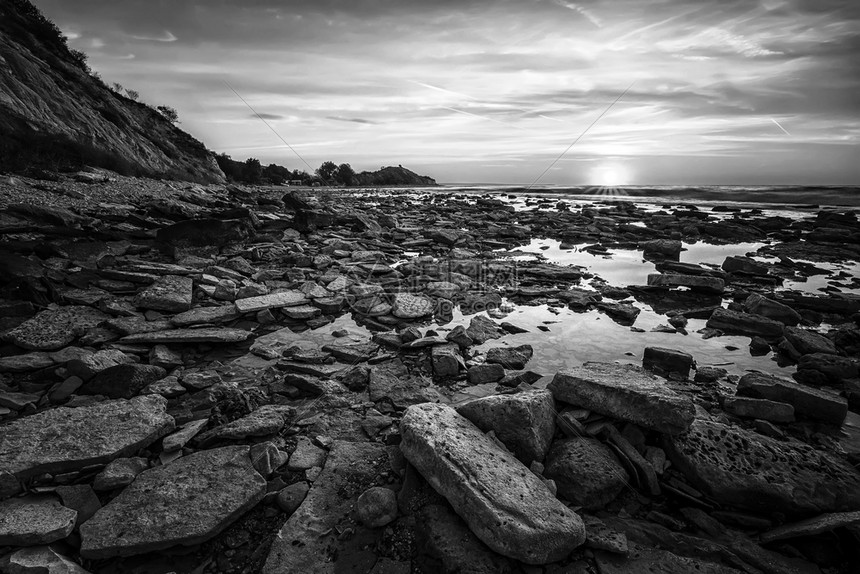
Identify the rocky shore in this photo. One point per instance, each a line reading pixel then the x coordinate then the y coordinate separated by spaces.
pixel 230 379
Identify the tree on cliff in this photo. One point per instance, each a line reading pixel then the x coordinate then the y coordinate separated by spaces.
pixel 169 113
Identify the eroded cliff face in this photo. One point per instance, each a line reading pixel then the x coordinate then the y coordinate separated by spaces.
pixel 54 115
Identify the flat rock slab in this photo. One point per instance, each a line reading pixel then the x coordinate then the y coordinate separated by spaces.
pixel 525 422
pixel 65 439
pixel 748 324
pixel 171 293
pixel 807 401
pixel 27 362
pixel 53 329
pixel 695 282
pixel 644 559
pixel 624 392
pixel 308 541
pixel 502 501
pixel 205 315
pixel 270 301
pixel 185 502
pixel 751 471
pixel 408 306
pixel 34 520
pixel 265 421
pixel 812 526
pixel 40 560
pixel 206 335
pixel 391 381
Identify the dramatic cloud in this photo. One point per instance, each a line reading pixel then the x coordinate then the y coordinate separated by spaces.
pixel 741 91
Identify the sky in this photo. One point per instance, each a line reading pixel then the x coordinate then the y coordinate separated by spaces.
pixel 500 91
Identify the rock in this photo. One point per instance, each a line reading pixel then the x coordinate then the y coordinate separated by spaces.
pixel 88 366
pixel 291 497
pixel 826 369
pixel 27 362
pixel 376 507
pixel 310 534
pixel 265 421
pixel 744 469
pixel 55 328
pixel 17 401
pixel 759 305
pixel 306 455
pixel 738 263
pixel 525 421
pixel 600 537
pixel 267 458
pixel 807 401
pixel 482 329
pixel 504 504
pixel 759 409
pixel 40 560
pixel 510 357
pixel 446 360
pixel 703 283
pixel 66 439
pixel 185 502
pixel 482 374
pixel 188 336
pixel 391 381
pixel 181 437
pixel 123 381
pixel 443 289
pixel 408 306
pixel 644 559
pixel 171 293
pixel 81 498
pixel 205 316
pixel 667 361
pixel 807 342
pixel 586 471
pixel 270 301
pixel 34 520
pixel 624 392
pixel 621 313
pixel 207 232
pixel 667 247
pixel 734 322
pixel 119 472
pixel 301 312
pixel 811 526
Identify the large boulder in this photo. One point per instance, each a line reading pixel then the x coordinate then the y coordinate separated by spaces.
pixel 171 293
pixel 66 439
pixel 760 305
pixel 808 342
pixel 525 421
pixel 734 322
pixel 586 471
pixel 751 471
pixel 510 357
pixel 207 233
pixel 504 504
pixel 704 283
pixel 185 502
pixel 624 392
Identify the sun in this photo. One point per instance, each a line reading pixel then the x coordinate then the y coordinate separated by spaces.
pixel 610 175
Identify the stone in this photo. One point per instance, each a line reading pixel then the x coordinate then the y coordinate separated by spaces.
pixel 524 422
pixel 764 409
pixel 122 381
pixel 205 316
pixel 351 353
pixel 807 401
pixel 311 533
pixel 502 501
pixel 119 472
pixel 510 357
pixel 306 455
pixel 624 392
pixel 446 360
pixel 391 381
pixel 760 305
pixel 265 421
pixel 185 502
pixel 667 247
pixel 811 526
pixel 184 434
pixel 703 283
pixel 824 368
pixel 55 328
pixel 734 322
pixel 65 439
pixel 88 366
pixel 738 263
pixel 27 362
pixel 18 401
pixel 187 336
pixel 170 293
pixel 291 497
pixel 407 306
pixel 621 313
pixel 481 329
pixel 598 536
pixel 81 498
pixel 644 559
pixel 744 469
pixel 807 342
pixel 443 289
pixel 270 301
pixel 301 312
pixel 267 458
pixel 458 335
pixel 376 507
pixel 40 560
pixel 34 520
pixel 667 361
pixel 486 373
pixel 586 471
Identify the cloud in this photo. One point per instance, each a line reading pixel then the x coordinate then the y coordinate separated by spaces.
pixel 352 120
pixel 166 36
pixel 266 116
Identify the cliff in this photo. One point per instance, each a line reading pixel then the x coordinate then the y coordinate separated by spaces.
pixel 54 115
